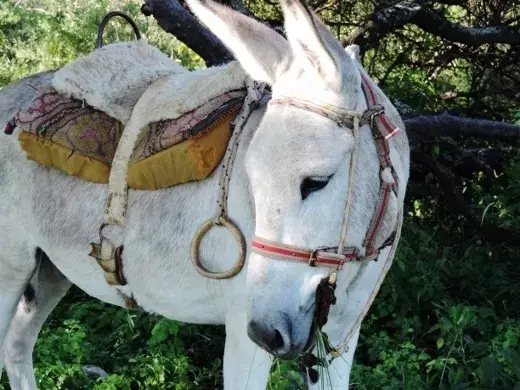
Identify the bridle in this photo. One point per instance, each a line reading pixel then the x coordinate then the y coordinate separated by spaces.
pixel 335 257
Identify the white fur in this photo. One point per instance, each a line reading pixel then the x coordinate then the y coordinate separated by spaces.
pixel 256 53
pixel 353 52
pixel 114 77
pixel 172 96
pixel 50 286
pixel 278 148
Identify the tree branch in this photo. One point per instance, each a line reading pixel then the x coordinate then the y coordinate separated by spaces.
pixel 433 23
pixel 381 23
pixel 385 21
pixel 426 127
pixel 176 20
pixel 445 178
pixel 452 2
pixel 465 162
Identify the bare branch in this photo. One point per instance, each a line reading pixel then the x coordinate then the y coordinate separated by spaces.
pixel 426 127
pixel 435 24
pixel 176 20
pixel 381 23
pixel 385 21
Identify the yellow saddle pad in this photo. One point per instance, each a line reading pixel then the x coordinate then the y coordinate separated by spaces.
pixel 64 133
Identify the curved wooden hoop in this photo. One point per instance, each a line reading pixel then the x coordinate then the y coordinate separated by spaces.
pixel 197 239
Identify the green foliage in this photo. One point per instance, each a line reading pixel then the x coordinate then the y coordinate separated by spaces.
pixel 447 315
pixel 501 205
pixel 37 36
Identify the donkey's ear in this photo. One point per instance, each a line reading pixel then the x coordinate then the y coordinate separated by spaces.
pixel 311 39
pixel 262 52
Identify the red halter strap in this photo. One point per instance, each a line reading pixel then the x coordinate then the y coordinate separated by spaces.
pixel 316 257
pixel 382 131
pixel 386 131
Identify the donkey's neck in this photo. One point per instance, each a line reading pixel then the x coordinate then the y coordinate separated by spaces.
pixel 159 231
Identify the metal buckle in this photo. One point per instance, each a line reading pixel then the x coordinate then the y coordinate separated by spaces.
pixel 378 110
pixel 313 256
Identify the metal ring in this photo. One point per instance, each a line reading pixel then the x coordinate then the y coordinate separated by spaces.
pixel 197 239
pixel 107 17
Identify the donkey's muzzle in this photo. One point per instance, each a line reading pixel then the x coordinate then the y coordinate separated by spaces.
pixel 277 337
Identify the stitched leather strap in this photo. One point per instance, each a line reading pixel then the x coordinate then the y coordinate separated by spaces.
pixel 317 257
pixel 382 132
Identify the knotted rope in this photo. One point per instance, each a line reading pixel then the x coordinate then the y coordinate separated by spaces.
pixel 254 95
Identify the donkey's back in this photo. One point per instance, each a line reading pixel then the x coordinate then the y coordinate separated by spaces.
pixel 20 93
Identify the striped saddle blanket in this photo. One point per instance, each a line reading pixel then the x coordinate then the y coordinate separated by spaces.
pixel 65 133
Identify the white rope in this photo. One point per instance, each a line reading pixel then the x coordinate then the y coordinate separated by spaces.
pixel 254 94
pixel 352 176
pixel 115 205
pixel 343 345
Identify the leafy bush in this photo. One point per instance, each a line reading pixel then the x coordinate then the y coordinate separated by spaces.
pixel 447 315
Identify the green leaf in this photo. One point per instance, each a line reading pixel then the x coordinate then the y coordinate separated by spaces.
pixel 479 348
pixel 490 368
pixel 159 332
pixel 424 356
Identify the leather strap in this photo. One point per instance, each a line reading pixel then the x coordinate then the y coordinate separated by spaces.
pixel 382 132
pixel 315 257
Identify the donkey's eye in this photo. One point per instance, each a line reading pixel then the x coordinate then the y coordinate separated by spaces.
pixel 312 184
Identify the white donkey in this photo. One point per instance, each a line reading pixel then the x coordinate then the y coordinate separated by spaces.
pixel 296 168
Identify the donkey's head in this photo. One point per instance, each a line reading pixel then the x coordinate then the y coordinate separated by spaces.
pixel 298 164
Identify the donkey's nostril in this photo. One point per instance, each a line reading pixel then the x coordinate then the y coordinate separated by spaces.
pixel 277 342
pixel 278 339
pixel 270 339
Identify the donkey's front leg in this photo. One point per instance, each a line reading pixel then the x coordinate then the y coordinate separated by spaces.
pixel 337 375
pixel 246 366
pixel 45 290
